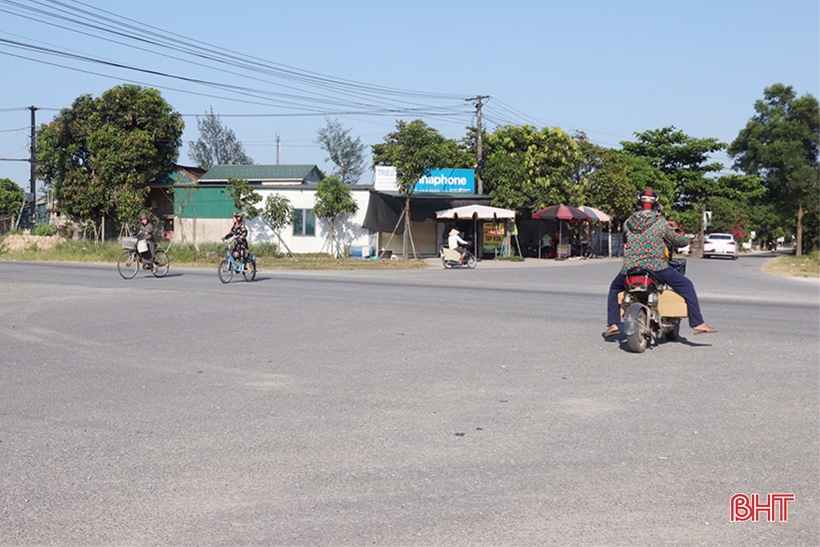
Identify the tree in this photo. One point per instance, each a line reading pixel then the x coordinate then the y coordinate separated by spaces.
pixel 217 144
pixel 11 197
pixel 683 159
pixel 414 149
pixel 780 144
pixel 99 155
pixel 680 157
pixel 615 183
pixel 243 196
pixel 277 213
pixel 528 169
pixel 332 202
pixel 346 153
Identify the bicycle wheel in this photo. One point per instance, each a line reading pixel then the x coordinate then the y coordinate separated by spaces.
pixel 249 273
pixel 128 264
pixel 225 271
pixel 163 263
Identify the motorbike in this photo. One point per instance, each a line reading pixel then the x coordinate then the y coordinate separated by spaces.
pixel 450 258
pixel 650 308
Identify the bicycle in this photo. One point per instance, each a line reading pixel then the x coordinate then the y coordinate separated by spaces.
pixel 129 262
pixel 229 266
pixel 582 249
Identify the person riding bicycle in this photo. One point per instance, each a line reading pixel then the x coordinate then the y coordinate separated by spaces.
pixel 146 233
pixel 239 233
pixel 648 236
pixel 456 243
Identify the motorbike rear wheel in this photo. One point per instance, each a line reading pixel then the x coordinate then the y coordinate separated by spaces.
pixel 637 340
pixel 445 263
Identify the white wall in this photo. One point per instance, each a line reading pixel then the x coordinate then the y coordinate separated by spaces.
pixel 200 230
pixel 349 231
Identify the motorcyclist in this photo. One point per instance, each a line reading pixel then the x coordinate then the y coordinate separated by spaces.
pixel 457 244
pixel 239 234
pixel 146 233
pixel 648 235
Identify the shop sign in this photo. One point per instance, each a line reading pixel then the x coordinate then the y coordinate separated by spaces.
pixel 447 180
pixel 493 237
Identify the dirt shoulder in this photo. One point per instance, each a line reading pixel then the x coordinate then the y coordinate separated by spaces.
pixel 793 266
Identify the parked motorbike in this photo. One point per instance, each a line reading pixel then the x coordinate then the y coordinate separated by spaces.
pixel 450 258
pixel 650 308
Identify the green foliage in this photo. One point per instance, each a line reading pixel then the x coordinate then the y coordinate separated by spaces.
pixel 333 199
pixel 217 144
pixel 414 149
pixel 265 248
pixel 780 144
pixel 527 169
pixel 45 230
pixel 11 197
pixel 244 197
pixel 681 158
pixel 277 212
pixel 346 153
pixel 100 153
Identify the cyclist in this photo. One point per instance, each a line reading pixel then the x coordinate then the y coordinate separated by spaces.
pixel 146 233
pixel 239 233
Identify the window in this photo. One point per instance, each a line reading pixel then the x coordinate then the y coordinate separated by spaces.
pixel 304 224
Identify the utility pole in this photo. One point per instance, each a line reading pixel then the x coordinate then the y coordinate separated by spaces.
pixel 277 148
pixel 33 169
pixel 479 151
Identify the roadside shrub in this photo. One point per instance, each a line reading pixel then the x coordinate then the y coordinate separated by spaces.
pixel 265 248
pixel 45 230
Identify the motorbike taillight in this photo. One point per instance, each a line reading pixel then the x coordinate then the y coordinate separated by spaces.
pixel 638 282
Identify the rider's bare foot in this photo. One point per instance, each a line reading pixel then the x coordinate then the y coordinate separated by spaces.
pixel 703 328
pixel 612 330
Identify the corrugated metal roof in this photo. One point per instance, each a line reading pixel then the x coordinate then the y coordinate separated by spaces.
pixel 262 173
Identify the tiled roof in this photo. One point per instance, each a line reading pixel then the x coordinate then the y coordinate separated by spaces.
pixel 257 173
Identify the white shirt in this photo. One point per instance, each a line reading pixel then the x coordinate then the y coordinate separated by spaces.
pixel 454 241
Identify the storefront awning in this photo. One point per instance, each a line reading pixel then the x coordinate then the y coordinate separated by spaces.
pixel 384 208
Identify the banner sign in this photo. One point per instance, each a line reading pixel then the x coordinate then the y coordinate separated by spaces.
pixel 493 237
pixel 448 180
pixel 439 180
pixel 384 178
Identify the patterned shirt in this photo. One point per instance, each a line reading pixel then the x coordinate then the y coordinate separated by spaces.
pixel 647 236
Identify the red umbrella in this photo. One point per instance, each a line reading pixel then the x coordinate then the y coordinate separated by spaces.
pixel 561 212
pixel 595 214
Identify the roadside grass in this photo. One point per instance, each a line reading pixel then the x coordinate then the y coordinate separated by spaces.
pixel 794 266
pixel 208 256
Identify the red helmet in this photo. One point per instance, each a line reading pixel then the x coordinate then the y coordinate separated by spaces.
pixel 648 199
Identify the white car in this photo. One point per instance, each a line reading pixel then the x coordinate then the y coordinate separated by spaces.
pixel 720 245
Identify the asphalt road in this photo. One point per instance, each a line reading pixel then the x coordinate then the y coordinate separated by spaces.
pixel 424 407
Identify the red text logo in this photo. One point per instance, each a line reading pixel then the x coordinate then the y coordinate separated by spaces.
pixel 752 507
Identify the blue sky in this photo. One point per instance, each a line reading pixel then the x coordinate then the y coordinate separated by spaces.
pixel 608 68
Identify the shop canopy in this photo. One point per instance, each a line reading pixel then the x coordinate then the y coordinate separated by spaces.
pixel 385 208
pixel 476 212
